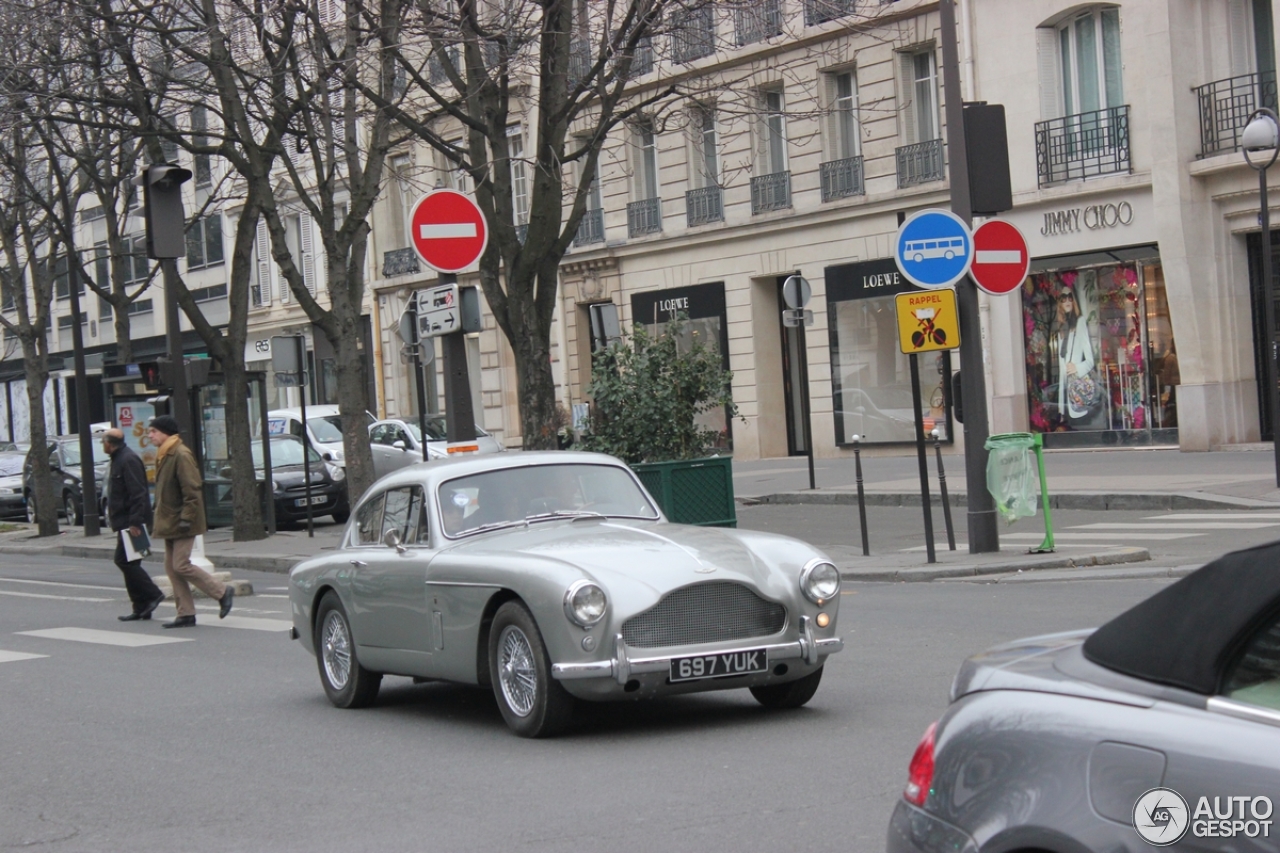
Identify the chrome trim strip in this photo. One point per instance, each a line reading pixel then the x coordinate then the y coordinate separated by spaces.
pixel 622 667
pixel 462 583
pixel 1242 710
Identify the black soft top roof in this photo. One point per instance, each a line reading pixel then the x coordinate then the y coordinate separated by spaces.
pixel 1188 634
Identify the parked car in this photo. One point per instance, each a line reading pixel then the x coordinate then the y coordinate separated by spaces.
pixel 553 576
pixel 13 500
pixel 64 458
pixel 288 485
pixel 1160 728
pixel 397 442
pixel 324 423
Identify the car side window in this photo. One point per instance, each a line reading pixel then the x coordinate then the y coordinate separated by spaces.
pixel 295 428
pixel 1255 676
pixel 396 514
pixel 401 435
pixel 383 434
pixel 404 514
pixel 418 532
pixel 369 522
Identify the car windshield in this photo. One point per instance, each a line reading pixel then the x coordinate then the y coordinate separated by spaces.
pixel 436 429
pixel 284 451
pixel 327 429
pixel 10 465
pixel 71 453
pixel 537 492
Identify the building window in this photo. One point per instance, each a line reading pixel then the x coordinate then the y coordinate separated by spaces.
pixel 820 11
pixel 918 74
pixel 203 162
pixel 401 197
pixel 62 279
pixel 204 242
pixel 646 167
pixel 774 133
pixel 260 290
pixel 693 33
pixel 301 243
pixel 519 177
pixel 1089 62
pixel 140 306
pixel 757 22
pixel 706 171
pixel 843 99
pixel 208 294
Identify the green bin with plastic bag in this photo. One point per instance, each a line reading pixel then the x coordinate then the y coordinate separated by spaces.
pixel 1015 474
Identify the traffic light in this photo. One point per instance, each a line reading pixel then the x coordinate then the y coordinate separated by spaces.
pixel 156 374
pixel 162 206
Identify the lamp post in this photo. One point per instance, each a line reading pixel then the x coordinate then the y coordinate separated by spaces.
pixel 1261 138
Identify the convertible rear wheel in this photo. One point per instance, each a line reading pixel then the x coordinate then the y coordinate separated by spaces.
pixel 793 694
pixel 532 703
pixel 346 682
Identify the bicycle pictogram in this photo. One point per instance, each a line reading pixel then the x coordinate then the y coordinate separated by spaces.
pixel 928 331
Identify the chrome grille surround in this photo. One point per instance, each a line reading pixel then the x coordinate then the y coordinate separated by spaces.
pixel 708 612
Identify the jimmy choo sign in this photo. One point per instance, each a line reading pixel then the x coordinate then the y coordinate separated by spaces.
pixel 1094 217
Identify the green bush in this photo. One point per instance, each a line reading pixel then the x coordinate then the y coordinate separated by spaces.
pixel 647 394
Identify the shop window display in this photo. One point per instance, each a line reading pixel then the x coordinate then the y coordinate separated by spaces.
pixel 1100 351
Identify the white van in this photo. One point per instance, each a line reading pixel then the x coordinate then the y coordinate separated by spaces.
pixel 324 425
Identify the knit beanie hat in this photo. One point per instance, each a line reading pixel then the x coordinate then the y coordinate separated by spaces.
pixel 167 424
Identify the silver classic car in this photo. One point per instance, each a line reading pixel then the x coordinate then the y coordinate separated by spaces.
pixel 551 577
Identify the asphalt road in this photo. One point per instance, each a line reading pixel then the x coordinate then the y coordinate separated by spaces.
pixel 224 741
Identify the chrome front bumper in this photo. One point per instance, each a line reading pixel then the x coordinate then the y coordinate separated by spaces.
pixel 623 665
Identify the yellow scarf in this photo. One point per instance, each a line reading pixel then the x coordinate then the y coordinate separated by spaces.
pixel 169 443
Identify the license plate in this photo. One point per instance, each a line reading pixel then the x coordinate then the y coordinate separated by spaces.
pixel 317 499
pixel 719 665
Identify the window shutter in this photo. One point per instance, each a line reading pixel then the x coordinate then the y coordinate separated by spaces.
pixel 1050 70
pixel 307 244
pixel 906 99
pixel 263 247
pixel 1240 34
pixel 831 96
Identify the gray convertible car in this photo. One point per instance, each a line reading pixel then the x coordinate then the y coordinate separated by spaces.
pixel 553 577
pixel 1159 729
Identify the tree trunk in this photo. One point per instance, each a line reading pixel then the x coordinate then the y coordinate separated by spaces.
pixel 246 510
pixel 537 390
pixel 36 367
pixel 124 344
pixel 351 401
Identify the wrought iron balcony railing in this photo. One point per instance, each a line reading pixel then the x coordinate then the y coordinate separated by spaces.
pixel 1225 107
pixel 920 163
pixel 821 11
pixel 841 178
pixel 1083 145
pixel 590 228
pixel 704 205
pixel 642 58
pixel 770 192
pixel 644 217
pixel 400 262
pixel 693 34
pixel 757 22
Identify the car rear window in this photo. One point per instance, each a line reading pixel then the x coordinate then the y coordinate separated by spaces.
pixel 1255 678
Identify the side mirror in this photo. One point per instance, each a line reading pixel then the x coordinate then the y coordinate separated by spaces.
pixel 392 540
pixel 399 445
pixel 328 457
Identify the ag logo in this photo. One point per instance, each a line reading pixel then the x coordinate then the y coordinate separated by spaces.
pixel 1161 817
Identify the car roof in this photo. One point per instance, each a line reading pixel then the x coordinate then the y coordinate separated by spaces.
pixel 437 471
pixel 1188 635
pixel 319 410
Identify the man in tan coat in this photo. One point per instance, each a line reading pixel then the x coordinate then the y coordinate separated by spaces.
pixel 179 518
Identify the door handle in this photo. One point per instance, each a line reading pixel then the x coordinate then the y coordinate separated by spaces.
pixel 359 564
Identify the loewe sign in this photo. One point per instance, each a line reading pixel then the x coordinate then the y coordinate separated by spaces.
pixel 1093 217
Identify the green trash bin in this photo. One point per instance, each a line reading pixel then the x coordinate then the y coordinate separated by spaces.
pixel 1013 476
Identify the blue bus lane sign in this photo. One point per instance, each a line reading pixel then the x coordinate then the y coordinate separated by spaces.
pixel 934 248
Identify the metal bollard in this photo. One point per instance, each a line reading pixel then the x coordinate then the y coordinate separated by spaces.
pixel 942 483
pixel 862 498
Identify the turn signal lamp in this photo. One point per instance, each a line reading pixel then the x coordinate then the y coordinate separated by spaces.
pixel 464 448
pixel 823 620
pixel 920 772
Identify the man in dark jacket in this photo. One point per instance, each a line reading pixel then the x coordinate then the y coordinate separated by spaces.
pixel 129 508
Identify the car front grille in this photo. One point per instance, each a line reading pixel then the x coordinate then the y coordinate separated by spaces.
pixel 705 613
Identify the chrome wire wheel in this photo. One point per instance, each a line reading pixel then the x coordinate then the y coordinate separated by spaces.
pixel 335 650
pixel 517 672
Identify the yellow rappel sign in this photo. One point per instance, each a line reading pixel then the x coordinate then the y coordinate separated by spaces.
pixel 928 321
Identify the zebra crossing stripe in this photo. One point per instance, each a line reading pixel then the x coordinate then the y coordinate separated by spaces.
pixel 105 638
pixel 10 657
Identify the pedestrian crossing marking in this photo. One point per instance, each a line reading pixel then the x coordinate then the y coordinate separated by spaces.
pixel 105 638
pixel 10 657
pixel 247 622
pixel 61 583
pixel 1216 516
pixel 55 597
pixel 1209 525
pixel 1089 536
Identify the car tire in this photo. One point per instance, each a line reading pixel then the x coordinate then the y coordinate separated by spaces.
pixel 793 694
pixel 341 517
pixel 346 682
pixel 74 516
pixel 31 508
pixel 532 703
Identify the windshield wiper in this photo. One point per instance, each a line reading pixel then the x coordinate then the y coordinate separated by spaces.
pixel 565 513
pixel 494 525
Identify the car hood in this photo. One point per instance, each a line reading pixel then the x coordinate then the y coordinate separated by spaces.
pixel 293 475
pixel 639 562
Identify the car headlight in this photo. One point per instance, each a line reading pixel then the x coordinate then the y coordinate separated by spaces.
pixel 819 581
pixel 337 472
pixel 585 603
pixel 275 485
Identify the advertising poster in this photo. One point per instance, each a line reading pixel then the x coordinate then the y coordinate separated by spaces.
pixel 132 418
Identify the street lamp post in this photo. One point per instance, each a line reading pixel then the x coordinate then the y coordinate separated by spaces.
pixel 1261 138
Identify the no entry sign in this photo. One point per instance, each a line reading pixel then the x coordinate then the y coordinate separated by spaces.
pixel 1000 257
pixel 448 231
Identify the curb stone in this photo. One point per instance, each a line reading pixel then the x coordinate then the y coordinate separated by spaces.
pixel 935 572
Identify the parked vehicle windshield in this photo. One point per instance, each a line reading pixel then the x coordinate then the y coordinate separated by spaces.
pixel 71 453
pixel 327 429
pixel 284 451
pixel 538 492
pixel 436 429
pixel 10 464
